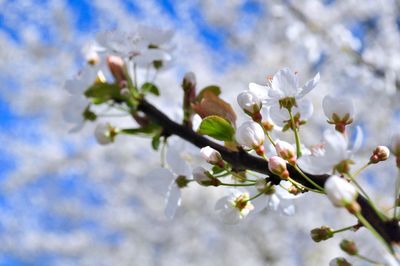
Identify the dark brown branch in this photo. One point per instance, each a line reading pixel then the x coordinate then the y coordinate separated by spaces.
pixel 389 230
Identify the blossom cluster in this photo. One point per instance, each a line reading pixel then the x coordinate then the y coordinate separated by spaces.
pixel 275 111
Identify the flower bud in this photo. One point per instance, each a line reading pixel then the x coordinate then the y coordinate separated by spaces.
pixel 189 81
pixel 381 153
pixel 251 134
pixel 339 262
pixel 339 111
pixel 340 192
pixel 105 133
pixel 116 65
pixel 212 156
pixel 286 151
pixel 278 167
pixel 349 247
pixel 321 233
pixel 249 102
pixel 204 178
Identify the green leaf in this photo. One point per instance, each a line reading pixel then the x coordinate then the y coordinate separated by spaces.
pixel 146 130
pixel 102 92
pixel 212 88
pixel 217 127
pixel 150 87
pixel 217 170
pixel 155 142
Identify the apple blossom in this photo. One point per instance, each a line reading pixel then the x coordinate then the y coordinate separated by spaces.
pixel 251 134
pixel 340 192
pixel 284 89
pixel 339 111
pixel 234 207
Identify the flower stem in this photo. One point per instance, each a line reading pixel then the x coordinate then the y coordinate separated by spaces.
pixel 296 134
pixel 345 229
pixel 366 196
pixel 367 225
pixel 356 173
pixel 396 194
pixel 237 185
pixel 368 260
pixel 256 196
pixel 308 179
pixel 300 186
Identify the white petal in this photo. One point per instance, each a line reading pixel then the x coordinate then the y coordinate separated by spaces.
pixel 335 146
pixel 150 55
pixel 287 207
pixel 160 179
pixel 278 115
pixel 309 86
pixel 339 105
pixel 316 165
pixel 259 90
pixel 358 139
pixel 176 163
pixel 273 202
pixel 286 82
pixel 154 35
pixel 172 201
pixel 305 107
pixel 221 203
pixel 230 216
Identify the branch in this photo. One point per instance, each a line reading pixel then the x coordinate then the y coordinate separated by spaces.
pixel 389 230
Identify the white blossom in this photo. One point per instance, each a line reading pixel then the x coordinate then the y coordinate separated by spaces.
pixel 340 192
pixel 105 133
pixel 234 207
pixel 280 117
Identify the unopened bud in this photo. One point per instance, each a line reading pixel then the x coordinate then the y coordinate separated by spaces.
pixel 381 153
pixel 212 156
pixel 349 247
pixel 278 167
pixel 294 190
pixel 251 134
pixel 340 192
pixel 116 65
pixel 322 233
pixel 339 262
pixel 249 102
pixel 286 151
pixel 189 81
pixel 204 178
pixel 105 133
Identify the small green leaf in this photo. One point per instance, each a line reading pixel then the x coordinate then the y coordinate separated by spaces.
pixel 217 127
pixel 155 142
pixel 217 170
pixel 212 88
pixel 102 92
pixel 150 87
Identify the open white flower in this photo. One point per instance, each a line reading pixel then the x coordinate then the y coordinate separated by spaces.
pixel 302 112
pixel 234 207
pixel 284 84
pixel 105 133
pixel 339 111
pixel 332 153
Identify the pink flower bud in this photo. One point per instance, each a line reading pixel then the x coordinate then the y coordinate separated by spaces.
pixel 286 151
pixel 381 153
pixel 278 167
pixel 212 156
pixel 116 65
